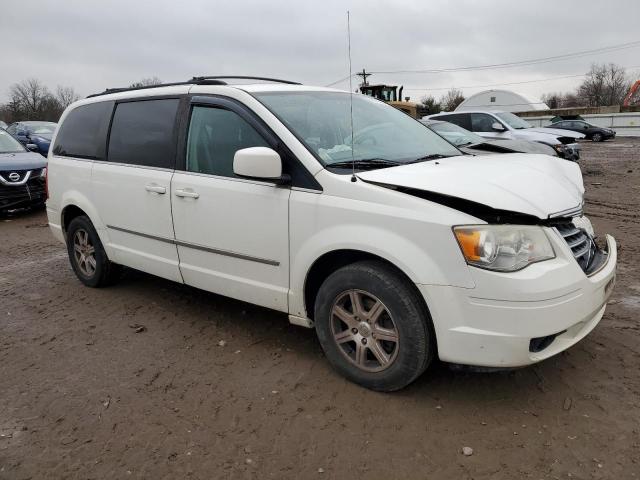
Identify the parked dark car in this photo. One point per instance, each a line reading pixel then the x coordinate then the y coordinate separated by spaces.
pixel 22 175
pixel 474 144
pixel 33 133
pixel 592 132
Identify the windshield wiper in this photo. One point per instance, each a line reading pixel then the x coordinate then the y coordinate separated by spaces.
pixel 426 158
pixel 365 163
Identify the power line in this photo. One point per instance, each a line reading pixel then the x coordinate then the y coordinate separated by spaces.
pixel 535 61
pixel 510 83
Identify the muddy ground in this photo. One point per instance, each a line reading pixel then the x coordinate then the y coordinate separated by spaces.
pixel 216 388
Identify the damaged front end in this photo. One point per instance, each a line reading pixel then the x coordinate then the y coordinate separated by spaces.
pixel 571 225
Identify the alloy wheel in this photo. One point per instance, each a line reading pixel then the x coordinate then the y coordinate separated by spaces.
pixel 84 252
pixel 364 330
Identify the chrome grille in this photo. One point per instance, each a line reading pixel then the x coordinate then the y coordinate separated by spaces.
pixel 580 243
pixel 10 177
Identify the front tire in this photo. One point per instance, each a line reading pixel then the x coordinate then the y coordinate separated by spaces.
pixel 373 326
pixel 87 255
pixel 597 137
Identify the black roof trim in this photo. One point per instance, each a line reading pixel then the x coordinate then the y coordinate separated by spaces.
pixel 204 80
pixel 207 80
pixel 146 87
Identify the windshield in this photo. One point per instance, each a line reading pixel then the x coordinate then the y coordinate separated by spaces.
pixel 455 134
pixel 513 120
pixel 321 120
pixel 8 144
pixel 42 128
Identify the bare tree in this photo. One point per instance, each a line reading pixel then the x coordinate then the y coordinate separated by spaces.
pixel 604 85
pixel 66 96
pixel 553 100
pixel 29 98
pixel 451 100
pixel 430 104
pixel 146 82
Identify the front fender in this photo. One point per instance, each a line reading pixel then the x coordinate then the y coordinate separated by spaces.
pixel 426 252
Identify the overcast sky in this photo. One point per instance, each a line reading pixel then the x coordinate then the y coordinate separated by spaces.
pixel 91 45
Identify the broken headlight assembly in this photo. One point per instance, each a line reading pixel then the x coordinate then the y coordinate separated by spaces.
pixel 503 248
pixel 560 148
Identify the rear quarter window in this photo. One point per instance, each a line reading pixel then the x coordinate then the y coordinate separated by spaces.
pixel 83 133
pixel 142 133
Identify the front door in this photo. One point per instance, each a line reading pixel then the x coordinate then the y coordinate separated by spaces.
pixel 232 233
pixel 482 124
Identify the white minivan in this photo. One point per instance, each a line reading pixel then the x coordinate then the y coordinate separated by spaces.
pixel 339 210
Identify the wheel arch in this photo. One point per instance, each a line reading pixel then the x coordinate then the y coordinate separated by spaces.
pixel 70 212
pixel 333 260
pixel 74 203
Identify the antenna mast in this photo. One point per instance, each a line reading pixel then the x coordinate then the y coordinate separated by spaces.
pixel 353 162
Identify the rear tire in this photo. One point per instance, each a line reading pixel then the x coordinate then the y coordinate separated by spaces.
pixel 373 326
pixel 87 255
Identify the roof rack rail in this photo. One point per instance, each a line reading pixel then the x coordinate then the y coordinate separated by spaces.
pixel 145 87
pixel 206 79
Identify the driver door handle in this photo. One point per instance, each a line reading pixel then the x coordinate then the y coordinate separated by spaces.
pixel 186 192
pixel 155 188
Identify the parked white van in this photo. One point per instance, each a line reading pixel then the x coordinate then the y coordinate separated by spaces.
pixel 391 243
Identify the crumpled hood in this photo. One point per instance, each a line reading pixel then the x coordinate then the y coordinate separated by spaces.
pixel 21 161
pixel 556 131
pixel 531 184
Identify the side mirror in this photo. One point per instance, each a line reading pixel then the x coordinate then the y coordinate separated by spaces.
pixel 33 147
pixel 259 163
pixel 497 126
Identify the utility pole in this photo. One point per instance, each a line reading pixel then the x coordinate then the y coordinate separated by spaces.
pixel 363 74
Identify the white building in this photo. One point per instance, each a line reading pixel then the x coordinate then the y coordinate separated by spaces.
pixel 504 100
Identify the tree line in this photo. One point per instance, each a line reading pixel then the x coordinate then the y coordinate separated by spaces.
pixel 603 85
pixel 30 99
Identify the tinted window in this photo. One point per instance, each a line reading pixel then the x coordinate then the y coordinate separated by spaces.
pixel 460 119
pixel 142 133
pixel 84 132
pixel 215 135
pixel 481 122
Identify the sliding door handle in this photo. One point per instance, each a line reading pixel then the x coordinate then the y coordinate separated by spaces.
pixel 186 192
pixel 155 188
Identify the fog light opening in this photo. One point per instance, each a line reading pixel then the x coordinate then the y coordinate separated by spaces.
pixel 540 343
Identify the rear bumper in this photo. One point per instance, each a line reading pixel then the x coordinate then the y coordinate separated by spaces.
pixel 521 318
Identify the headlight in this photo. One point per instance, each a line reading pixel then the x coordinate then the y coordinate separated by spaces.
pixel 503 248
pixel 559 147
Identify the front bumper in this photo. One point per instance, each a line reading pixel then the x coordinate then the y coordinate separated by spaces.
pixel 516 319
pixel 570 151
pixel 29 194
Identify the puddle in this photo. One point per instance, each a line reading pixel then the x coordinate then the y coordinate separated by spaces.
pixel 632 302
